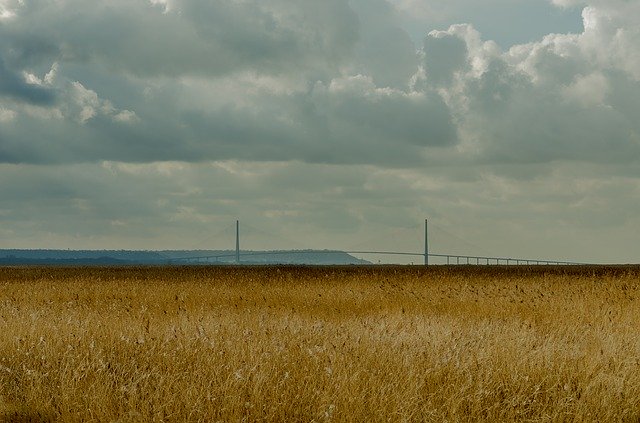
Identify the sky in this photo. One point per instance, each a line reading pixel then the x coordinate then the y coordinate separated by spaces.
pixel 512 125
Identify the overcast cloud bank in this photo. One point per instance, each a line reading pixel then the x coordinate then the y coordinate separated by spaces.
pixel 121 119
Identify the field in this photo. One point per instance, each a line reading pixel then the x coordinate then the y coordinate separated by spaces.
pixel 346 344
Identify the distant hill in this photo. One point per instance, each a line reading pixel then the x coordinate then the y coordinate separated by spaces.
pixel 132 257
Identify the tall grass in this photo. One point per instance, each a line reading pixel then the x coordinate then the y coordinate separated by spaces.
pixel 319 344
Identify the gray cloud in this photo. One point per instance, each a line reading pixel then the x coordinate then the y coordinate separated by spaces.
pixel 14 87
pixel 136 124
pixel 384 50
pixel 253 92
pixel 347 121
pixel 331 116
pixel 445 55
pixel 194 37
pixel 558 99
pixel 176 205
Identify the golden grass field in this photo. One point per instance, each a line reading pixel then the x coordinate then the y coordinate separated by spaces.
pixel 344 344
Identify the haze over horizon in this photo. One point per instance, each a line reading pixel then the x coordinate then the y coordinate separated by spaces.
pixel 154 124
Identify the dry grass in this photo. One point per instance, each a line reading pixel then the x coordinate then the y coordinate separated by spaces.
pixel 319 344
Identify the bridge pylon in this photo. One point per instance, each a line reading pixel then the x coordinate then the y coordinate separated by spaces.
pixel 426 242
pixel 237 242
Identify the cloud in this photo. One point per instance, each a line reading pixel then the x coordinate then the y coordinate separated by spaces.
pixel 345 75
pixel 334 82
pixel 384 50
pixel 348 120
pixel 122 118
pixel 15 87
pixel 560 214
pixel 84 104
pixel 193 37
pixel 544 101
pixel 446 54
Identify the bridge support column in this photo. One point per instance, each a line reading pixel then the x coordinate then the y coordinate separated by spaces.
pixel 237 242
pixel 426 242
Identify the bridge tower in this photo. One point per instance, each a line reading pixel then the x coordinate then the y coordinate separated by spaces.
pixel 426 243
pixel 237 241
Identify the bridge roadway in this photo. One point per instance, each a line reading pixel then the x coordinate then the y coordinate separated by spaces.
pixel 479 260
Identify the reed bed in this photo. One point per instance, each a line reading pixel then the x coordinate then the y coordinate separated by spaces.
pixel 344 344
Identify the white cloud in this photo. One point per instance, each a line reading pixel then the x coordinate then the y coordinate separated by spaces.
pixel 86 100
pixel 7 115
pixel 164 4
pixel 84 104
pixel 543 101
pixel 589 90
pixel 50 77
pixel 8 8
pixel 30 78
pixel 126 116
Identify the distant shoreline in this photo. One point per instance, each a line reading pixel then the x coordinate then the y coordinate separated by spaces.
pixel 167 257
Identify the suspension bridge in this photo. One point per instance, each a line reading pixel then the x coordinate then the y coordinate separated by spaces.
pixel 426 256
